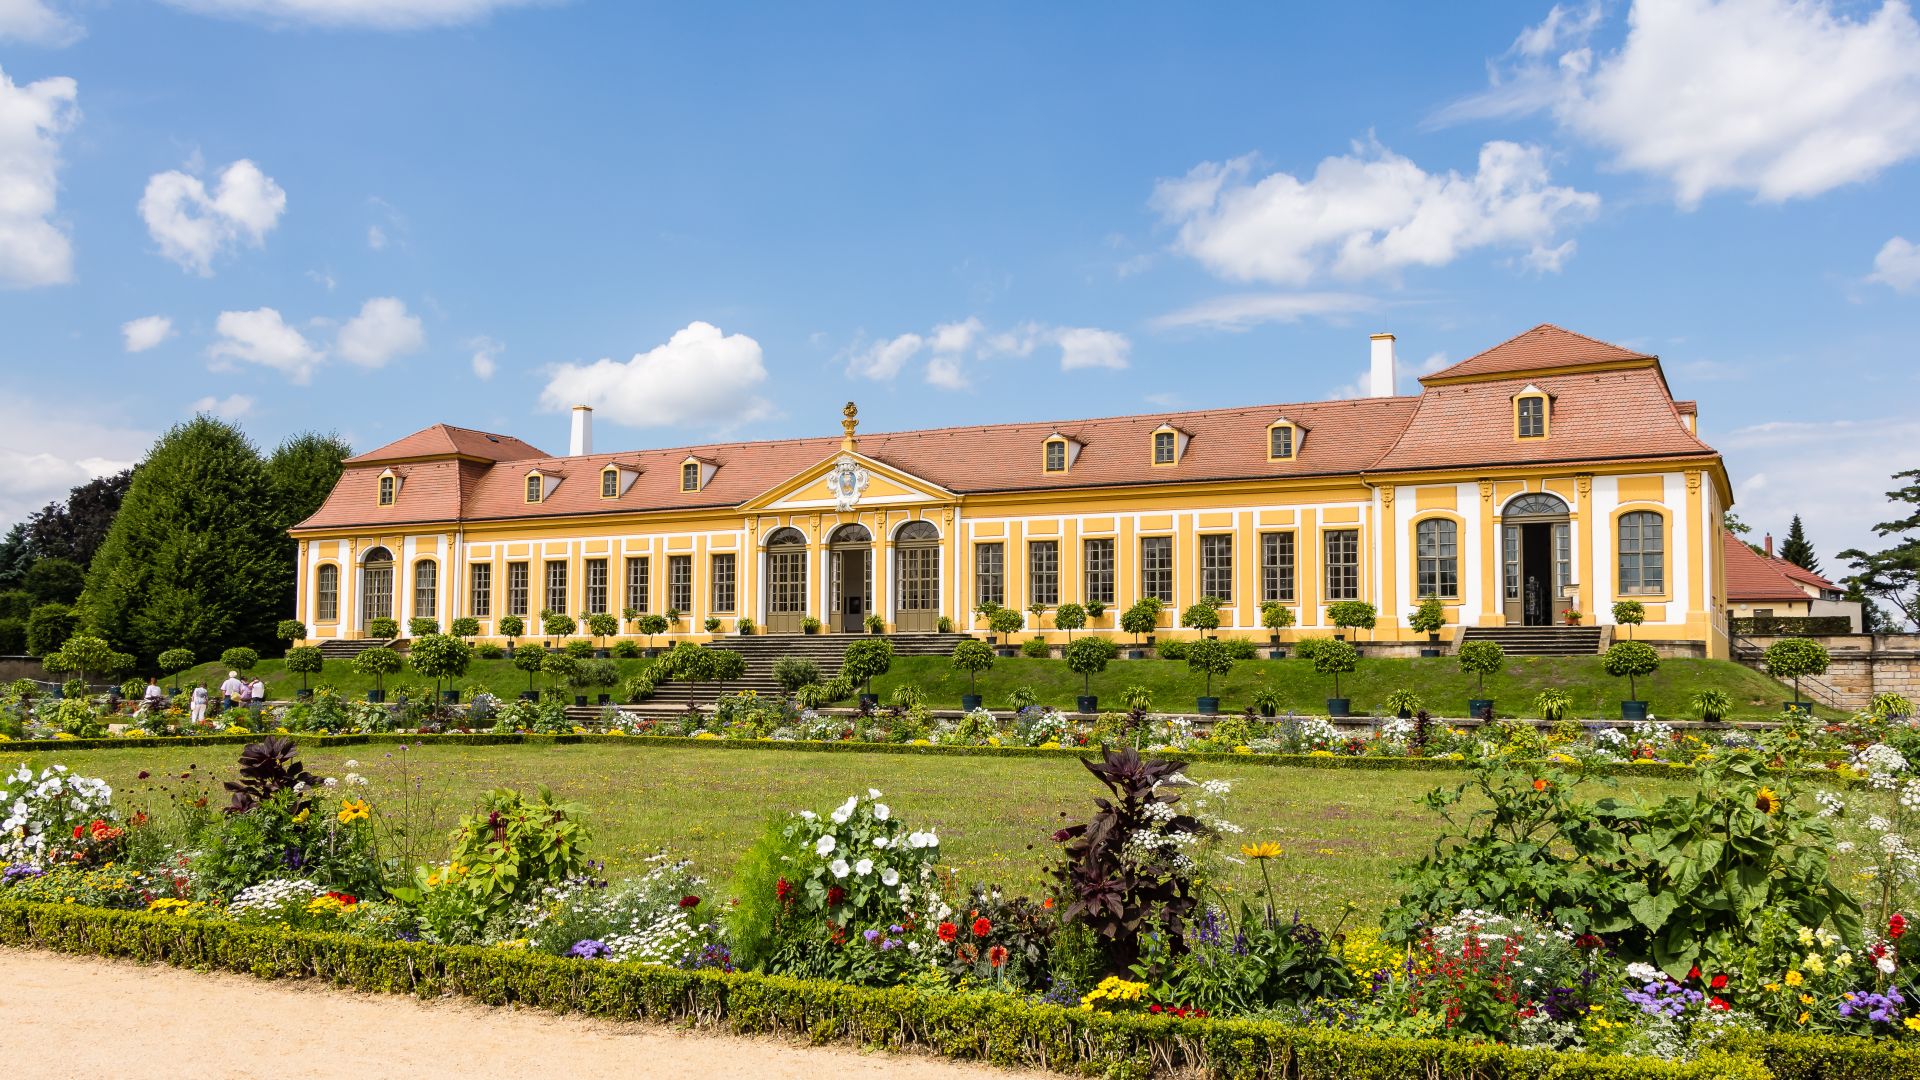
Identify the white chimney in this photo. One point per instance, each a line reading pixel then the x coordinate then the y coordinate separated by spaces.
pixel 582 431
pixel 1380 380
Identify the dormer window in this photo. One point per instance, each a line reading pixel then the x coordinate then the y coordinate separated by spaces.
pixel 536 487
pixel 610 483
pixel 389 487
pixel 1164 448
pixel 690 476
pixel 1056 460
pixel 1530 414
pixel 1283 440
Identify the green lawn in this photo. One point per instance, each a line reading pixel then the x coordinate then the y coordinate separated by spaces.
pixel 1344 832
pixel 500 676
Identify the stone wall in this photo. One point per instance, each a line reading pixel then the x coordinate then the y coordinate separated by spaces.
pixel 1863 665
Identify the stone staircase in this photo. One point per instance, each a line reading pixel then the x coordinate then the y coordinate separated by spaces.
pixel 1539 640
pixel 762 651
pixel 347 649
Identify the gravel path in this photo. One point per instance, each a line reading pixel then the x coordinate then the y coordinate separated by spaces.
pixel 81 1017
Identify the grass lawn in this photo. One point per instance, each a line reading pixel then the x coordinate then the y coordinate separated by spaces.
pixel 499 676
pixel 1344 832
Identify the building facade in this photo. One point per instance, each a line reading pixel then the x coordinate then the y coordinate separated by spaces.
pixel 1762 585
pixel 1551 473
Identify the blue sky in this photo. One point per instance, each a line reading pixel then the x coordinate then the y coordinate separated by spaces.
pixel 726 220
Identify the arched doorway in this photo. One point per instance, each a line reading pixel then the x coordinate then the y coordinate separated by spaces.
pixel 1536 560
pixel 376 586
pixel 849 578
pixel 916 560
pixel 786 579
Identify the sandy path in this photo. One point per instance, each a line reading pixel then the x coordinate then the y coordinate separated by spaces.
pixel 125 1020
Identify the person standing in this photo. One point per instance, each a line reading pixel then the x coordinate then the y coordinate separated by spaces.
pixel 257 691
pixel 153 697
pixel 233 689
pixel 199 705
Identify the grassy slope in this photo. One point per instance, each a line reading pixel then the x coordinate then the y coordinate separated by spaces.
pixel 497 675
pixel 1344 832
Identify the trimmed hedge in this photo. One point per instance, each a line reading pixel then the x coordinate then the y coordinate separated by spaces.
pixel 1002 1031
pixel 1793 626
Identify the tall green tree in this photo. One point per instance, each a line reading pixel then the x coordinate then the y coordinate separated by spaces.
pixel 192 560
pixel 301 471
pixel 1893 574
pixel 1798 550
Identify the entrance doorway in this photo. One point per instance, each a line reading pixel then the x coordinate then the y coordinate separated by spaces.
pixel 376 587
pixel 849 578
pixel 786 580
pixel 1537 560
pixel 916 556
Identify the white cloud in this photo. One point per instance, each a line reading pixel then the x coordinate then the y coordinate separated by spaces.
pixel 1368 214
pixel 883 359
pixel 231 407
pixel 262 337
pixel 193 226
pixel 1897 265
pixel 376 237
pixel 486 356
pixel 1834 474
pixel 381 332
pixel 1782 98
pixel 145 332
pixel 1088 347
pixel 36 22
pixel 48 447
pixel 700 378
pixel 356 14
pixel 955 337
pixel 1248 310
pixel 33 249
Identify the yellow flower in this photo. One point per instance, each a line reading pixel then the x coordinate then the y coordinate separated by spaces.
pixel 1766 801
pixel 1802 1018
pixel 1911 1023
pixel 1772 988
pixel 352 810
pixel 1794 978
pixel 301 817
pixel 1265 850
pixel 1806 999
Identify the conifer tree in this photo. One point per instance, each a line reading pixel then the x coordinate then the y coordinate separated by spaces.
pixel 1798 550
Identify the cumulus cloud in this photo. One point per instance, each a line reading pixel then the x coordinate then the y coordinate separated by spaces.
pixel 486 356
pixel 193 226
pixel 48 447
pixel 376 237
pixel 951 349
pixel 1898 265
pixel 883 359
pixel 701 378
pixel 1089 347
pixel 231 407
pixel 1247 310
pixel 1781 98
pixel 145 332
pixel 381 332
pixel 355 14
pixel 36 22
pixel 1835 474
pixel 34 250
pixel 262 337
pixel 1371 213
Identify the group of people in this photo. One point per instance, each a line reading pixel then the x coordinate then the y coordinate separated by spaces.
pixel 235 693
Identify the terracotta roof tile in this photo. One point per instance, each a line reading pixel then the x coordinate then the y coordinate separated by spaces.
pixel 1752 577
pixel 449 440
pixel 1802 574
pixel 1544 347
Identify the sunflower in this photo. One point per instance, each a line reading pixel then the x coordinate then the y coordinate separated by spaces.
pixel 1767 802
pixel 1265 850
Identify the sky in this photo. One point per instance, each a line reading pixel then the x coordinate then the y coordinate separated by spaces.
pixel 725 220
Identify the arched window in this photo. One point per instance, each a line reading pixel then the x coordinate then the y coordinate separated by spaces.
pixel 785 536
pixel 851 534
pixel 326 594
pixel 1643 553
pixel 426 588
pixel 376 554
pixel 1437 558
pixel 917 530
pixel 1537 504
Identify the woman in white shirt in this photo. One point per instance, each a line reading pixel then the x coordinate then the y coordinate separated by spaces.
pixel 200 704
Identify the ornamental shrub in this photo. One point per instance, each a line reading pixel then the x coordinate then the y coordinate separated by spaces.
pixel 1143 617
pixel 1336 658
pixel 865 660
pixel 1481 659
pixel 1004 621
pixel 379 662
pixel 1794 657
pixel 651 626
pixel 175 660
pixel 487 650
pixel 579 650
pixel 441 657
pixel 1241 648
pixel 1209 657
pixel 1089 657
pixel 1712 706
pixel 1430 617
pixel 972 656
pixel 466 626
pixel 626 650
pixel 1172 649
pixel 560 668
pixel 1036 648
pixel 1203 616
pixel 603 625
pixel 1070 617
pixel 1629 613
pixel 240 659
pixel 558 624
pixel 305 660
pixel 1632 659
pixel 529 660
pixel 291 630
pixel 383 628
pixel 1353 614
pixel 794 672
pixel 1276 616
pixel 512 626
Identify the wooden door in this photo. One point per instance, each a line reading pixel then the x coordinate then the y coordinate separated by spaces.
pixel 917 609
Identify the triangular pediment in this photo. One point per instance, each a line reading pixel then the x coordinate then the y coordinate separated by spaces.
pixel 846 481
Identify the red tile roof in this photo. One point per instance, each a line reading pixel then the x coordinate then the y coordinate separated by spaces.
pixel 1802 574
pixel 1754 578
pixel 1540 349
pixel 442 439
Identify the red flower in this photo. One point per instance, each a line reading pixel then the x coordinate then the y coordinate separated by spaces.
pixel 981 927
pixel 689 901
pixel 835 894
pixel 1047 903
pixel 1896 925
pixel 782 890
pixel 1539 785
pixel 1717 1002
pixel 997 955
pixel 345 899
pixel 76 832
pixel 1719 982
pixel 1153 1008
pixel 948 932
pixel 1693 973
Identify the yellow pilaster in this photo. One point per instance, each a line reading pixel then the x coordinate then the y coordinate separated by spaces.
pixel 1389 566
pixel 1586 529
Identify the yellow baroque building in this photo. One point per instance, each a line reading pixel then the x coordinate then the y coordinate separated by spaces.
pixel 1548 474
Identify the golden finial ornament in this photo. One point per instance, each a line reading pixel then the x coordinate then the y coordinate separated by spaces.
pixel 848 425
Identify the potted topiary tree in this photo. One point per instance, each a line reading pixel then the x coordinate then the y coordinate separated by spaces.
pixel 305 660
pixel 1203 616
pixel 383 629
pixel 1794 658
pixel 711 624
pixel 1275 616
pixel 1629 613
pixel 728 666
pixel 466 628
pixel 560 668
pixel 1352 615
pixel 1004 621
pixel 1141 618
pixel 602 625
pixel 865 660
pixel 972 656
pixel 173 662
pixel 1089 657
pixel 441 657
pixel 1095 612
pixel 1429 618
pixel 378 662
pixel 422 625
pixel 1336 657
pixel 557 624
pixel 1631 659
pixel 653 625
pixel 291 631
pixel 1209 657
pixel 1481 659
pixel 239 658
pixel 1070 617
pixel 529 661
pixel 511 627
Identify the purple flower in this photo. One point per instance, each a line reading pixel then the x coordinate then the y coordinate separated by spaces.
pixel 590 949
pixel 871 936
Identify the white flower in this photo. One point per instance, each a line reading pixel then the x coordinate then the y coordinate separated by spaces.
pixel 809 815
pixel 845 811
pixel 881 841
pixel 863 867
pixel 331 782
pixel 1885 964
pixel 1643 973
pixel 838 868
pixel 823 847
pixel 889 877
pixel 873 793
pixel 352 764
pixel 880 811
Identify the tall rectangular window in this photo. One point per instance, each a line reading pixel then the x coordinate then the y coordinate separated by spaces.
pixel 721 593
pixel 639 588
pixel 1097 562
pixel 480 591
pixel 1533 417
pixel 1436 558
pixel 1216 567
pixel 989 574
pixel 1643 561
pixel 1163 448
pixel 1276 567
pixel 1056 456
pixel 386 491
pixel 1043 572
pixel 1280 441
pixel 517 588
pixel 1156 568
pixel 327 593
pixel 680 583
pixel 426 588
pixel 1343 563
pixel 596 586
pixel 557 588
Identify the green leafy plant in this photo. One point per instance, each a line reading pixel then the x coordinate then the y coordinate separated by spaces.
pixel 1429 617
pixel 1209 657
pixel 1629 613
pixel 1069 617
pixel 378 662
pixel 174 661
pixel 866 660
pixel 1797 658
pixel 794 672
pixel 1887 705
pixel 1276 616
pixel 1712 706
pixel 1203 616
pixel 943 625
pixel 1004 621
pixel 602 625
pixel 558 624
pixel 422 625
pixel 441 657
pixel 711 624
pixel 290 630
pixel 1553 704
pixel 1036 648
pixel 240 659
pixel 1481 659
pixel 1142 617
pixel 530 661
pixel 1023 697
pixel 1404 703
pixel 1089 657
pixel 651 626
pixel 875 624
pixel 465 627
pixel 808 625
pixel 728 666
pixel 1336 658
pixel 1632 659
pixel 512 626
pixel 304 661
pixel 1353 614
pixel 972 656
pixel 745 625
pixel 559 668
pixel 1095 609
pixel 1268 699
pixel 503 853
pixel 1137 699
pixel 385 629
